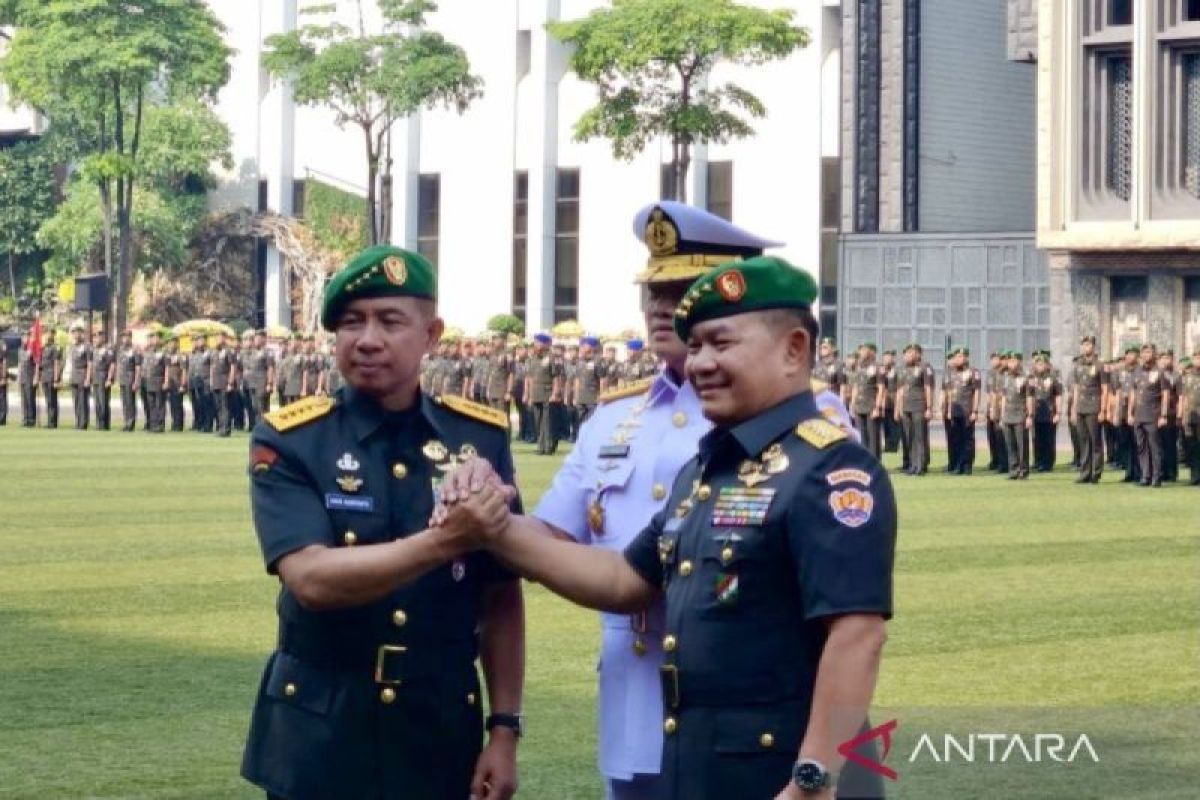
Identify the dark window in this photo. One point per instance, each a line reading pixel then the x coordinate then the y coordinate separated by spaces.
pixel 1191 10
pixel 298 189
pixel 1130 288
pixel 429 200
pixel 566 245
pixel 1191 123
pixel 1120 125
pixel 1191 289
pixel 262 195
pixel 831 192
pixel 666 182
pixel 520 242
pixel 1120 12
pixel 720 189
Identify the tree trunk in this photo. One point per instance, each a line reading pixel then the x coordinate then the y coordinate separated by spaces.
pixel 12 275
pixel 372 174
pixel 385 186
pixel 125 257
pixel 680 160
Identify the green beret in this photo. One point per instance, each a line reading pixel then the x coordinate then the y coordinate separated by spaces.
pixel 1132 348
pixel 868 346
pixel 828 340
pixel 739 287
pixel 1185 362
pixel 889 352
pixel 380 271
pixel 913 346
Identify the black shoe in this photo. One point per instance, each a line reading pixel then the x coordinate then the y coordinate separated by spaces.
pixel 1143 483
pixel 966 471
pixel 1083 479
pixel 1012 476
pixel 1156 484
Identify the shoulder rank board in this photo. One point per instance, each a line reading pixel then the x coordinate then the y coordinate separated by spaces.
pixel 820 432
pixel 632 390
pixel 475 411
pixel 299 413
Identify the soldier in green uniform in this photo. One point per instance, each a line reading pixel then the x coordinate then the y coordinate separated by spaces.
pixel 1047 410
pixel 1016 415
pixel 828 368
pixel 199 391
pixel 220 377
pixel 914 408
pixel 1189 413
pixel 283 371
pixel 49 374
pixel 994 379
pixel 79 356
pixel 867 392
pixel 101 377
pixel 1148 406
pixel 372 692
pixel 1089 399
pixel 455 371
pixel 259 365
pixel 3 382
pixel 961 386
pixel 543 386
pixel 27 381
pixel 588 378
pixel 1119 397
pixel 525 428
pixel 1170 431
pixel 499 377
pixel 129 364
pixel 153 382
pixel 568 413
pixel 479 372
pixel 891 430
pixel 774 554
pixel 849 367
pixel 176 371
pixel 237 408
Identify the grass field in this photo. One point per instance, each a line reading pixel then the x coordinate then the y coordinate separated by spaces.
pixel 135 617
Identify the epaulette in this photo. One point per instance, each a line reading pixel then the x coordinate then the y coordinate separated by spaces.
pixel 475 411
pixel 820 432
pixel 299 413
pixel 630 390
pixel 818 387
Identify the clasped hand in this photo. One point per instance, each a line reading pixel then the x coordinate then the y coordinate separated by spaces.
pixel 473 507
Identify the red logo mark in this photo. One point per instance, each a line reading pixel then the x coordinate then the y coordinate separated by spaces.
pixel 847 749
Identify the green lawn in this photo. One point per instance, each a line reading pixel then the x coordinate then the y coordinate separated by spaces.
pixel 135 617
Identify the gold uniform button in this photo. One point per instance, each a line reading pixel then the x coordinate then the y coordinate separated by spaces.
pixel 399 471
pixel 727 555
pixel 290 690
pixel 388 695
pixel 679 419
pixel 767 740
pixel 669 643
pixel 685 568
pixel 350 538
pixel 399 618
pixel 703 493
pixel 471 699
pixel 659 491
pixel 669 725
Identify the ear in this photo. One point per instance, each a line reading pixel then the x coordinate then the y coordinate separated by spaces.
pixel 796 349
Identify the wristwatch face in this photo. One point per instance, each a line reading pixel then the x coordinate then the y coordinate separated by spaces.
pixel 809 776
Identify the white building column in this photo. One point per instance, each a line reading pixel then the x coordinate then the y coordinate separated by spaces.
pixel 406 172
pixel 276 156
pixel 548 60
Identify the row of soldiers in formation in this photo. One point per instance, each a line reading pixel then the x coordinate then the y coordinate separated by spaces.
pixel 228 381
pixel 1137 412
pixel 552 387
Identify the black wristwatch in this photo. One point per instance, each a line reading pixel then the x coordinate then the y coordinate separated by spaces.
pixel 514 721
pixel 810 775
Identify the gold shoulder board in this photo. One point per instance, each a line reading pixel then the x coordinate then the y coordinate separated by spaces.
pixel 475 411
pixel 818 387
pixel 631 390
pixel 820 432
pixel 299 413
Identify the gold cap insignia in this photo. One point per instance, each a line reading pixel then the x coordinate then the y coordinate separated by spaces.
pixel 395 269
pixel 662 237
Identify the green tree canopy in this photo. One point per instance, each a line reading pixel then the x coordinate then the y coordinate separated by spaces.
pixel 96 66
pixel 26 199
pixel 371 79
pixel 650 60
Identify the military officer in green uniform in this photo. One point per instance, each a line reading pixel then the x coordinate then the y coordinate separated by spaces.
pixel 1089 399
pixel 153 381
pixel 49 375
pixel 1148 402
pixel 176 372
pixel 3 382
pixel 867 394
pixel 27 381
pixel 829 368
pixel 997 456
pixel 914 407
pixel 259 366
pixel 543 387
pixel 199 392
pixel 129 364
pixel 372 691
pixel 499 376
pixel 101 378
pixel 1047 410
pixel 1170 431
pixel 79 356
pixel 222 370
pixel 891 430
pixel 1119 399
pixel 961 387
pixel 774 553
pixel 1189 413
pixel 588 377
pixel 1016 415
